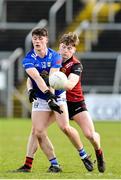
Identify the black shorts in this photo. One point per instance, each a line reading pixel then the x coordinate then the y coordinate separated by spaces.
pixel 75 108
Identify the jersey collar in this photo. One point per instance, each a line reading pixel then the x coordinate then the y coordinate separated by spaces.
pixel 67 60
pixel 39 56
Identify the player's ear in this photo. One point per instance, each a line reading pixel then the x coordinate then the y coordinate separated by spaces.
pixel 60 46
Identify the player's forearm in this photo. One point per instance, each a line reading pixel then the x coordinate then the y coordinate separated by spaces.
pixel 69 85
pixel 34 74
pixel 41 83
pixel 72 81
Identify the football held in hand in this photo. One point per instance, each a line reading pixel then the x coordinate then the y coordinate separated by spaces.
pixel 58 80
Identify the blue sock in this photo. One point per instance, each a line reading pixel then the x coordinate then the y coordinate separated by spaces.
pixel 82 153
pixel 54 162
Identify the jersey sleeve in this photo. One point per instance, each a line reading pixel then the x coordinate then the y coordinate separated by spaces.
pixel 76 69
pixel 57 61
pixel 28 63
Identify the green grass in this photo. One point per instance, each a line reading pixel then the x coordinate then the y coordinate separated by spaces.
pixel 13 139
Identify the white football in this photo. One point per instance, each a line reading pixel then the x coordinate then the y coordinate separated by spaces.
pixel 58 80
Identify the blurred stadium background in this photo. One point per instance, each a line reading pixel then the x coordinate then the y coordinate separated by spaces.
pixel 98 24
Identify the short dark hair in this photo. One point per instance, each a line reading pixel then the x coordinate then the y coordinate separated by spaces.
pixel 40 32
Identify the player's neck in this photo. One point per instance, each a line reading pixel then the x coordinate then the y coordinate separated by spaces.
pixel 42 52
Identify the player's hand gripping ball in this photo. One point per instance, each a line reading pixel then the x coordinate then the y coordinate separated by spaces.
pixel 58 80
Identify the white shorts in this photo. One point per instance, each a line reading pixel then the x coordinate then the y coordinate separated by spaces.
pixel 42 105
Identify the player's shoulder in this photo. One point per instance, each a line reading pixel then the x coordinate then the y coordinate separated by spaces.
pixel 31 54
pixel 75 60
pixel 29 57
pixel 77 63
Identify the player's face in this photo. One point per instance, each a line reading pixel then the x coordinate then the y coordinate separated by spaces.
pixel 39 42
pixel 66 51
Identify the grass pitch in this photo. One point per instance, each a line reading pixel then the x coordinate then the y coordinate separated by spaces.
pixel 13 138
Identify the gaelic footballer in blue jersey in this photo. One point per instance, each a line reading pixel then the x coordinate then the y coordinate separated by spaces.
pixel 38 64
pixel 51 61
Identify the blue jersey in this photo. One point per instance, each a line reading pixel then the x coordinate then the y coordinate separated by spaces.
pixel 43 65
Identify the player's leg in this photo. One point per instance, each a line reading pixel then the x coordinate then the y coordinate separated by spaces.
pixel 32 146
pixel 72 134
pixel 84 120
pixel 40 122
pixel 44 143
pixel 41 114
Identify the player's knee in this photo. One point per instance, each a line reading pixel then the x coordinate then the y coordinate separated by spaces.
pixel 65 129
pixel 89 135
pixel 39 133
pixel 92 136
